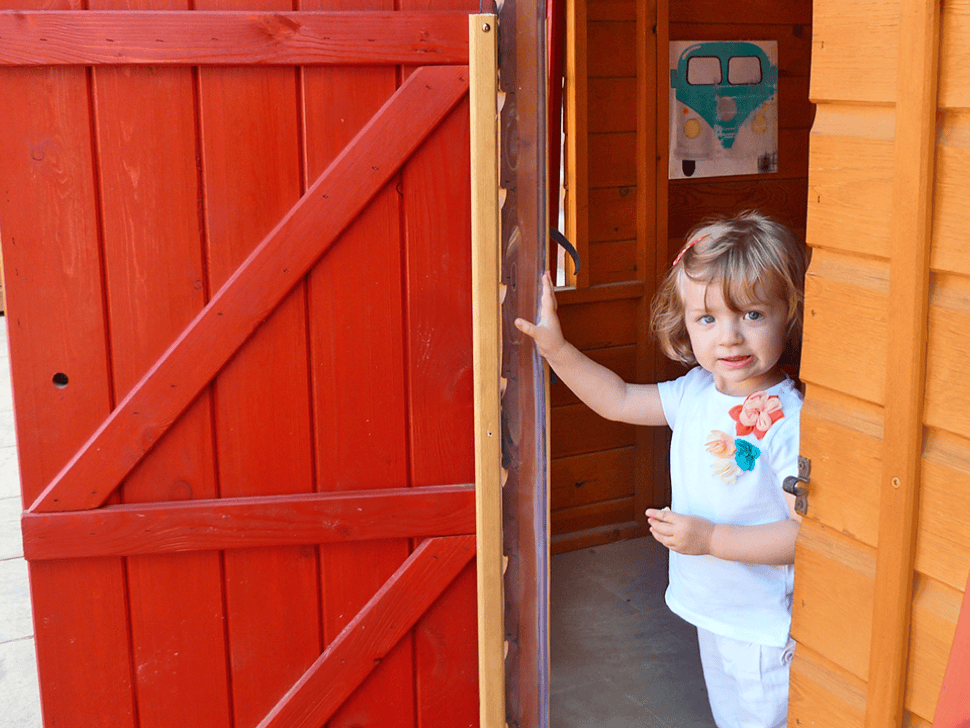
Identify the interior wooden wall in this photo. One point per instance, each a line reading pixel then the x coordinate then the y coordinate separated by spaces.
pixel 599 489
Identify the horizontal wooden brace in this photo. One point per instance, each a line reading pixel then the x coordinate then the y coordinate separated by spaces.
pixel 232 523
pixel 236 38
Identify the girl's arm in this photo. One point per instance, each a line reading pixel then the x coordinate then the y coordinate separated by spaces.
pixel 770 543
pixel 601 389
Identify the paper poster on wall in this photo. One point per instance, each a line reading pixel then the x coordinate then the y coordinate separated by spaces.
pixel 723 108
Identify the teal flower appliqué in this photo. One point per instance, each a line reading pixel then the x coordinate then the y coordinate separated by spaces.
pixel 746 454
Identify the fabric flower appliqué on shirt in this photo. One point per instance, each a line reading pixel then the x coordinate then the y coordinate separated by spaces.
pixel 734 456
pixel 757 414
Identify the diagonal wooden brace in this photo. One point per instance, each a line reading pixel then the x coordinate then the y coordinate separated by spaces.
pixel 257 287
pixel 369 636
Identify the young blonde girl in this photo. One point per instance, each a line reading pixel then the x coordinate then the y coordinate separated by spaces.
pixel 730 306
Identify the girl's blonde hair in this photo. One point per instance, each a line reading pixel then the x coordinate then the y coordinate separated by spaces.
pixel 751 256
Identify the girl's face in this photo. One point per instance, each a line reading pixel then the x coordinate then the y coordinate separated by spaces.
pixel 740 348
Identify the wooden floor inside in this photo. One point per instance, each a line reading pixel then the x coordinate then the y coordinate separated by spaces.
pixel 620 658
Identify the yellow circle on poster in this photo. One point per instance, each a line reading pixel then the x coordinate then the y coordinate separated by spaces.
pixel 692 129
pixel 759 125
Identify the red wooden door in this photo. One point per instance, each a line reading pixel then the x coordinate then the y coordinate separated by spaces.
pixel 236 249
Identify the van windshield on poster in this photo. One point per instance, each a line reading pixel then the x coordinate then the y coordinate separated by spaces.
pixel 723 108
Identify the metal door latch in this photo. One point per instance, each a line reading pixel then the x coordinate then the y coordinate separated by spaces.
pixel 790 484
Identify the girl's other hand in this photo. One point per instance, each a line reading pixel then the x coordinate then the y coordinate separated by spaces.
pixel 680 533
pixel 546 332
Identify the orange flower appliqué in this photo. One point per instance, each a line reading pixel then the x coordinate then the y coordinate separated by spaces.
pixel 757 414
pixel 720 444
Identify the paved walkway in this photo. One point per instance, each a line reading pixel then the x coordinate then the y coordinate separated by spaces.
pixel 19 697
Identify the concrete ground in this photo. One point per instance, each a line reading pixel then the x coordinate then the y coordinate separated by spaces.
pixel 619 657
pixel 19 697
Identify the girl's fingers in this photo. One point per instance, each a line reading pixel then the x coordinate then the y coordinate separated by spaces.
pixel 525 327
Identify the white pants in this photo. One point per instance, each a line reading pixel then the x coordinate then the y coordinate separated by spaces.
pixel 747 683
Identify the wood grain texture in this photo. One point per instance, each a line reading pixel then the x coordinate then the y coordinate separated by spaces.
pixel 783 199
pixel 146 137
pixel 487 353
pixel 365 641
pixel 844 69
pixel 842 436
pixel 823 694
pixel 600 324
pixel 582 479
pixel 847 306
pixel 252 522
pixel 943 545
pixel 834 623
pixel 359 392
pixel 936 609
pixel 155 38
pixel 56 324
pixel 909 291
pixel 270 272
pixel 611 49
pixel 753 12
pixel 593 516
pixel 613 214
pixel 850 180
pixel 950 196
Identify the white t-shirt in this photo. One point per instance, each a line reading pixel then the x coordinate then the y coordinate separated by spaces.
pixel 731 482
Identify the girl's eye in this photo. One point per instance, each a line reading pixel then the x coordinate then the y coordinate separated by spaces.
pixel 706 319
pixel 754 315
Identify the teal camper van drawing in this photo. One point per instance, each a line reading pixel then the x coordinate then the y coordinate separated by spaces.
pixel 724 109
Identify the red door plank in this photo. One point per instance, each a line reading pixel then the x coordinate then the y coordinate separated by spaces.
pixel 251 163
pixel 262 281
pixel 48 38
pixel 364 642
pixel 55 321
pixel 357 340
pixel 438 225
pixel 146 142
pixel 246 523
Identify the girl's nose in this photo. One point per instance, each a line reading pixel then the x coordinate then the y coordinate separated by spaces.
pixel 730 332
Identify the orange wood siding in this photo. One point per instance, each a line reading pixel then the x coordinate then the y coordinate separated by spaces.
pixel 844 661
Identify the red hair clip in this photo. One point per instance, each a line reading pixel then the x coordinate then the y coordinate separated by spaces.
pixel 686 248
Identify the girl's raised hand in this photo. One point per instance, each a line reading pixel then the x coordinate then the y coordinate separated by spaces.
pixel 546 332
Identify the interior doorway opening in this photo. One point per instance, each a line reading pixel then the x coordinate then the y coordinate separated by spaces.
pixel 619 656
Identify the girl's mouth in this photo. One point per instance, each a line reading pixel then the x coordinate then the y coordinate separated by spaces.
pixel 736 362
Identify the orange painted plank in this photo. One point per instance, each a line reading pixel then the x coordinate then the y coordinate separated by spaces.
pixel 357 339
pixel 953 708
pixel 364 642
pixel 56 324
pixel 234 523
pixel 45 38
pixel 146 143
pixel 254 290
pixel 251 169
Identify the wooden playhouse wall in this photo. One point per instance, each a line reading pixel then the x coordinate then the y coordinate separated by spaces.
pixel 884 553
